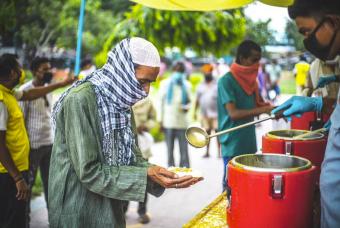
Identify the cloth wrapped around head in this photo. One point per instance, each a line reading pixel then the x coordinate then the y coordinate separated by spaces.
pixel 117 89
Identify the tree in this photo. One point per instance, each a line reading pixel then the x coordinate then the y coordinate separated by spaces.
pixel 205 32
pixel 260 32
pixel 29 24
pixel 293 36
pixel 34 24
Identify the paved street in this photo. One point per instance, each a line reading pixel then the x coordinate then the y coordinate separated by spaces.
pixel 175 207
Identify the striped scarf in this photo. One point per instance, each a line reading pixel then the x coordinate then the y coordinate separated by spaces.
pixel 116 89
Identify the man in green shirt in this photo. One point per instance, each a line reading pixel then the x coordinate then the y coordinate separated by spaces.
pixel 238 102
pixel 96 163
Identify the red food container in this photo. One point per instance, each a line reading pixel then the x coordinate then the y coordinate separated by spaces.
pixel 270 191
pixel 282 142
pixel 307 119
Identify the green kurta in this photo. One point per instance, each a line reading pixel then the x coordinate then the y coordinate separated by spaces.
pixel 83 191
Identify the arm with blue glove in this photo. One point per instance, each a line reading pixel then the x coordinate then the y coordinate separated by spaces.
pixel 328 125
pixel 298 105
pixel 323 81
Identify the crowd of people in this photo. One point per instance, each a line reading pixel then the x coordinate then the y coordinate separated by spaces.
pixel 93 145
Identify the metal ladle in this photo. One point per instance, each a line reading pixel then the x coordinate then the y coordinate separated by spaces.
pixel 198 137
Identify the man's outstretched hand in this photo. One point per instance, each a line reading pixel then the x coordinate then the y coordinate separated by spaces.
pixel 169 179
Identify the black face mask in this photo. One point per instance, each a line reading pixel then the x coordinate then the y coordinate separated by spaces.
pixel 208 78
pixel 313 46
pixel 47 78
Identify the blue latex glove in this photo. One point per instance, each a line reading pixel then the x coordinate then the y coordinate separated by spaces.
pixel 325 81
pixel 298 105
pixel 328 125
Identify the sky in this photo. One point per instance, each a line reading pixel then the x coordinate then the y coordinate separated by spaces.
pixel 279 15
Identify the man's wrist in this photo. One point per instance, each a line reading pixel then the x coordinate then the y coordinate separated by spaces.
pixel 17 177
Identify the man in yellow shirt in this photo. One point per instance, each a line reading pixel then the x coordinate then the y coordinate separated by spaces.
pixel 14 143
pixel 301 71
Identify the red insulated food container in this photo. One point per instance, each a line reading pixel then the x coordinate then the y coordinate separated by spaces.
pixel 270 191
pixel 282 142
pixel 305 122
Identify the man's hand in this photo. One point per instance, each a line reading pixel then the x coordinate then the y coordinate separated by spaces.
pixel 266 109
pixel 323 81
pixel 23 190
pixel 169 179
pixel 298 105
pixel 68 81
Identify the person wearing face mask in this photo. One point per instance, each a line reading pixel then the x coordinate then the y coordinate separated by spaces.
pixel 96 164
pixel 238 102
pixel 175 103
pixel 37 114
pixel 14 142
pixel 206 100
pixel 319 22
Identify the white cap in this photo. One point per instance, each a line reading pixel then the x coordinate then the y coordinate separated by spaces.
pixel 144 52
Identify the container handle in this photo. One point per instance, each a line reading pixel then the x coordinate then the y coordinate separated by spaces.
pixel 277 186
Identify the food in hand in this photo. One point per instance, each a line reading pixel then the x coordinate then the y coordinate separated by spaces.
pixel 183 171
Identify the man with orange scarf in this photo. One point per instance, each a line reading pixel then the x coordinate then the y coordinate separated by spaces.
pixel 239 102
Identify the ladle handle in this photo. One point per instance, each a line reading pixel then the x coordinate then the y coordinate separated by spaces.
pixel 309 133
pixel 241 126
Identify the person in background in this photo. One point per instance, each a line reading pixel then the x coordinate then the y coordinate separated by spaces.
pixel 175 103
pixel 327 71
pixel 37 115
pixel 301 71
pixel 264 81
pixel 319 22
pixel 221 68
pixel 14 142
pixel 146 119
pixel 87 67
pixel 238 102
pixel 274 71
pixel 206 101
pixel 96 164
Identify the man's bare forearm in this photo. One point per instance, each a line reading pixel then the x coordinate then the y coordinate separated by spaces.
pixel 40 91
pixel 7 161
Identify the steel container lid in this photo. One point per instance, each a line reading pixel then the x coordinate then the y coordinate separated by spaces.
pixel 289 134
pixel 271 163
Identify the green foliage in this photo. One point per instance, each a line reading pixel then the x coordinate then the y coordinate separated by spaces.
pixel 97 24
pixel 260 32
pixel 157 134
pixel 205 32
pixel 287 83
pixel 38 186
pixel 33 24
pixel 293 36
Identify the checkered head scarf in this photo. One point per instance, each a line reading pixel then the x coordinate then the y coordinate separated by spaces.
pixel 117 89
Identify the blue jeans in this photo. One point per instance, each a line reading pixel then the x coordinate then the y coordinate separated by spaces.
pixel 225 171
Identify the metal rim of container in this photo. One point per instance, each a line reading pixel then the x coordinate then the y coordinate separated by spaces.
pixel 271 170
pixel 273 136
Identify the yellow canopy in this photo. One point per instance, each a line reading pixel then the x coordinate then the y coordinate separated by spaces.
pixel 206 5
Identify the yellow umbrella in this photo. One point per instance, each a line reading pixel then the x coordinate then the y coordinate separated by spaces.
pixel 206 5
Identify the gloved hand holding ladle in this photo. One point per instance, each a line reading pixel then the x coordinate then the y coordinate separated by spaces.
pixel 198 137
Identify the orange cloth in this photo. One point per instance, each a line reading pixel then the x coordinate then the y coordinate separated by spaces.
pixel 246 76
pixel 207 68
